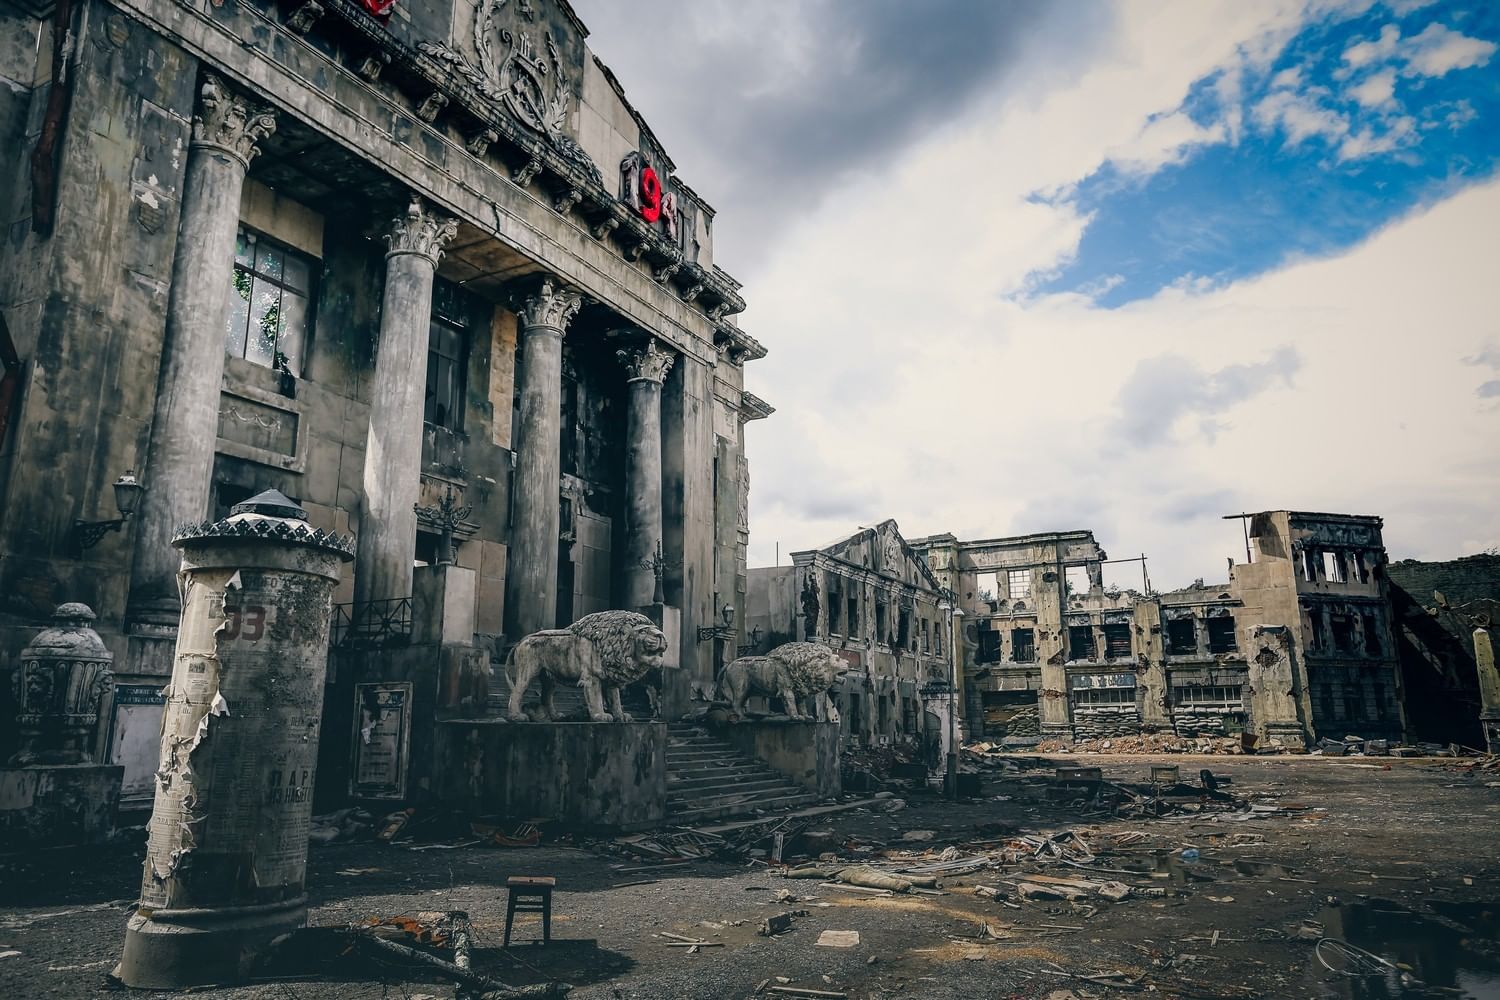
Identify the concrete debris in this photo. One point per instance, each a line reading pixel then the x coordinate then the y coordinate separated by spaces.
pixel 838 939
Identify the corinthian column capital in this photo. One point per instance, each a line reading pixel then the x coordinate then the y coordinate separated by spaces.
pixel 551 305
pixel 225 121
pixel 648 364
pixel 420 231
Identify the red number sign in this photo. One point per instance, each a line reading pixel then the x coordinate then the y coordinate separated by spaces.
pixel 650 195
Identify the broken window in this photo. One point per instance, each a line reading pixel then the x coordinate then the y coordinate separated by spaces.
pixel 1308 564
pixel 270 303
pixel 1023 645
pixel 989 644
pixel 1333 567
pixel 926 643
pixel 1316 638
pixel 1104 696
pixel 1221 635
pixel 1342 629
pixel 881 617
pixel 1360 568
pixel 903 628
pixel 835 606
pixel 1372 635
pixel 447 356
pixel 1018 584
pixel 856 626
pixel 1081 642
pixel 1182 637
pixel 1075 581
pixel 1117 641
pixel 987 587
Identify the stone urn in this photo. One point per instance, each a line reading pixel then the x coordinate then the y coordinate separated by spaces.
pixel 62 679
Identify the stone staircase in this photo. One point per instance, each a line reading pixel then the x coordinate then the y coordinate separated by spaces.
pixel 708 779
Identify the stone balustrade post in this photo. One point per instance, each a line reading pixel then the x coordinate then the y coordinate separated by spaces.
pixel 646 369
pixel 393 443
pixel 531 564
pixel 179 463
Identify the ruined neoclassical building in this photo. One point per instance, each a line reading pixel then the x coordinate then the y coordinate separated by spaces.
pixel 419 265
pixel 1298 645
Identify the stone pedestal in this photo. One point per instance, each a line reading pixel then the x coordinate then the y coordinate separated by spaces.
pixel 51 805
pixel 806 752
pixel 583 774
pixel 179 462
pixel 531 564
pixel 226 856
pixel 442 608
pixel 393 443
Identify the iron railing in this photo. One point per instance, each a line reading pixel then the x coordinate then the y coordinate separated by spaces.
pixel 372 623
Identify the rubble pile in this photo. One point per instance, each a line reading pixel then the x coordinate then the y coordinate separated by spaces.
pixel 1147 743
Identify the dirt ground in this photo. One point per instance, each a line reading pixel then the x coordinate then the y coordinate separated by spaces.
pixel 1400 855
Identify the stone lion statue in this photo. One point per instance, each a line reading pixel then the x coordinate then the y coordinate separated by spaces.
pixel 601 653
pixel 791 672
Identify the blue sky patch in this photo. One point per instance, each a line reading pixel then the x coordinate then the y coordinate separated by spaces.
pixel 1354 124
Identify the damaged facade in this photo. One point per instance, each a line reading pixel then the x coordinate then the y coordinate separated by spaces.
pixel 874 600
pixel 1299 645
pixel 430 275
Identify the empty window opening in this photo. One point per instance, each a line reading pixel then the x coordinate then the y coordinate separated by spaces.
pixel 1117 641
pixel 1076 581
pixel 1372 635
pixel 1315 636
pixel 1221 635
pixel 1361 568
pixel 881 618
pixel 856 626
pixel 1182 637
pixel 903 628
pixel 1342 629
pixel 835 603
pixel 989 645
pixel 1081 642
pixel 987 587
pixel 1333 567
pixel 1018 584
pixel 1308 564
pixel 1223 697
pixel 1023 645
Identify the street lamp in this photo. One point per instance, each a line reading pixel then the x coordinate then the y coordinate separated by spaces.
pixel 127 497
pixel 708 632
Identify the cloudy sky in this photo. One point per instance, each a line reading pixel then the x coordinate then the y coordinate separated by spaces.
pixel 1126 267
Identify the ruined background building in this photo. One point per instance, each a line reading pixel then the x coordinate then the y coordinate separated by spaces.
pixel 875 601
pixel 1315 636
pixel 425 271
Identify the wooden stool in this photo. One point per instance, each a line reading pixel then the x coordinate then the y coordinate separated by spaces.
pixel 529 894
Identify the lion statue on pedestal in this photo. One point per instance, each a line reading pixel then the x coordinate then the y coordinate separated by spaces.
pixel 791 672
pixel 601 653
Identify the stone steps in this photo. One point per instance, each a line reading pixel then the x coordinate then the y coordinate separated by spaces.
pixel 709 779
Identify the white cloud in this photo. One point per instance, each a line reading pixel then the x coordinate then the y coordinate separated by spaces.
pixel 912 382
pixel 1300 116
pixel 1163 140
pixel 1401 8
pixel 1396 133
pixel 1376 90
pixel 1439 50
pixel 1375 50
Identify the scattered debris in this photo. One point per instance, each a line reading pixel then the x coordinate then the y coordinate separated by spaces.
pixel 837 939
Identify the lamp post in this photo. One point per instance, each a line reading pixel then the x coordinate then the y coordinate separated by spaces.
pixel 955 613
pixel 127 496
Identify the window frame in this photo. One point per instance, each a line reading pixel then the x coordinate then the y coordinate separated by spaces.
pixel 314 266
pixel 456 323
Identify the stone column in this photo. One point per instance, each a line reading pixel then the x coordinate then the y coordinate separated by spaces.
pixel 531 566
pixel 1489 688
pixel 179 464
pixel 646 369
pixel 393 443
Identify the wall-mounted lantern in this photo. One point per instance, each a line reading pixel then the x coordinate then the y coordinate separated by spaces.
pixel 726 631
pixel 127 498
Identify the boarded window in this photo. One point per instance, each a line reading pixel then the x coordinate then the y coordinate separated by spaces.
pixel 1117 641
pixel 1182 637
pixel 1221 635
pixel 1081 642
pixel 1018 584
pixel 1023 645
pixel 989 645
